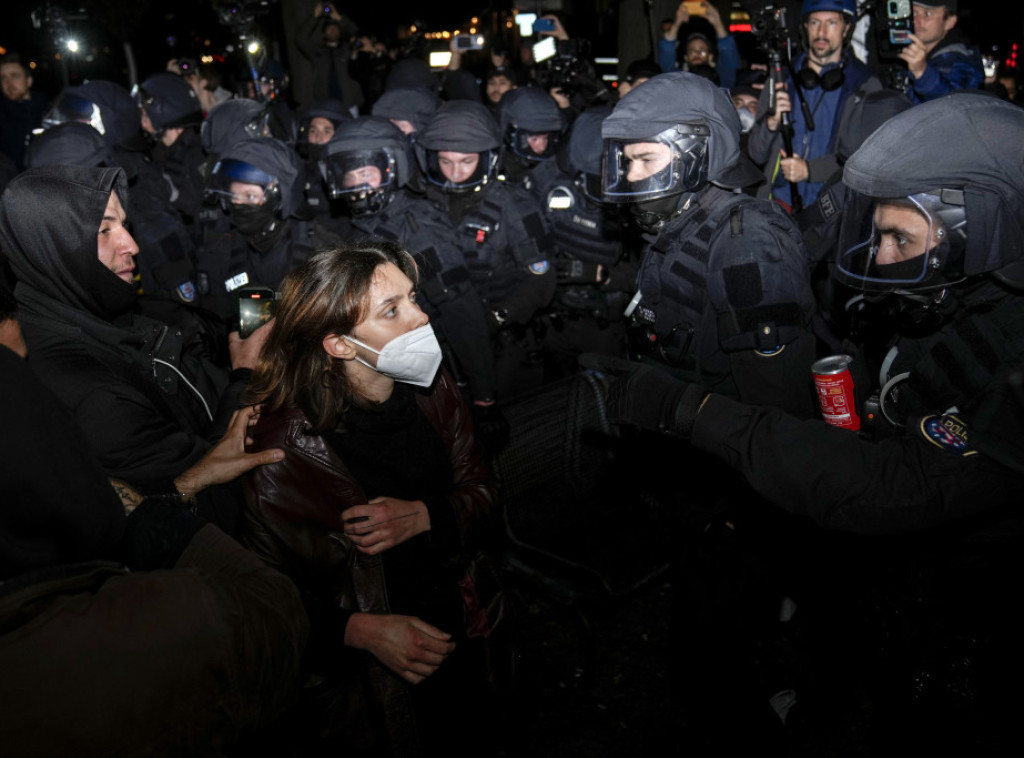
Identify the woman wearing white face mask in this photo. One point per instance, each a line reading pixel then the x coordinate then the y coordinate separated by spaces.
pixel 379 505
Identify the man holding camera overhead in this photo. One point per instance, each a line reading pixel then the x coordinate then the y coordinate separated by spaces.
pixel 938 56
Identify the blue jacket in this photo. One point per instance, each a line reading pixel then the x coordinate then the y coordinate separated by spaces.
pixel 816 146
pixel 952 64
pixel 727 60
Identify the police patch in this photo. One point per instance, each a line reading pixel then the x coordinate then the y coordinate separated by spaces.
pixel 540 267
pixel 947 432
pixel 187 292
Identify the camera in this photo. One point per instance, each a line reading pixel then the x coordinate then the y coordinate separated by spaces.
pixel 469 42
pixel 900 21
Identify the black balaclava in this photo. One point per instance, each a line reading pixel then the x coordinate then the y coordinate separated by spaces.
pixel 49 222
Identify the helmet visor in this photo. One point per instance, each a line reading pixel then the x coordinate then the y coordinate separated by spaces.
pixel 672 162
pixel 459 172
pixel 888 244
pixel 534 146
pixel 358 172
pixel 235 182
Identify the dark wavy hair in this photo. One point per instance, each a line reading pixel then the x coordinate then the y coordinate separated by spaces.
pixel 327 294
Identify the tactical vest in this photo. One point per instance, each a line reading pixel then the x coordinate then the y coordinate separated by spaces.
pixel 501 243
pixel 761 304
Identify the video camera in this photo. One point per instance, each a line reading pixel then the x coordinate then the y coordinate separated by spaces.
pixel 770 27
pixel 569 70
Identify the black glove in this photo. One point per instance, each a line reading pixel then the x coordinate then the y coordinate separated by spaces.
pixel 492 428
pixel 652 399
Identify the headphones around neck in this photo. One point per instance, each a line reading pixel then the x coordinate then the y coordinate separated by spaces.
pixel 832 79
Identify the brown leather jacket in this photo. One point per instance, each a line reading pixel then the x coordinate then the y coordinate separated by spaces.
pixel 292 515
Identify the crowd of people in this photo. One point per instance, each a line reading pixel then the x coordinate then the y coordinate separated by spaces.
pixel 279 533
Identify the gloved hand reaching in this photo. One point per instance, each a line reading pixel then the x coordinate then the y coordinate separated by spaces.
pixel 652 399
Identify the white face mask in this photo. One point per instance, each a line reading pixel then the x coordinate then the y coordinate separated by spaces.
pixel 413 357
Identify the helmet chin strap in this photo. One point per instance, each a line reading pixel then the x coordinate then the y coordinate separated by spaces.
pixel 651 215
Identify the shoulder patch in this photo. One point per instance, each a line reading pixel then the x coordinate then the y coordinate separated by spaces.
pixel 540 267
pixel 187 292
pixel 947 432
pixel 827 204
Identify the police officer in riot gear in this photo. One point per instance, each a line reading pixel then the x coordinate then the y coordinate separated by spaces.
pixel 724 300
pixel 724 296
pixel 598 251
pixel 230 122
pixel 940 255
pixel 317 123
pixel 106 106
pixel 164 163
pixel 532 127
pixel 369 164
pixel 257 184
pixel 500 230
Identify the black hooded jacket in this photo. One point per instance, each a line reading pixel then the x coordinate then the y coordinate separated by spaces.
pixel 149 397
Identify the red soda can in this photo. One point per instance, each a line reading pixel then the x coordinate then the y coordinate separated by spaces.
pixel 834 383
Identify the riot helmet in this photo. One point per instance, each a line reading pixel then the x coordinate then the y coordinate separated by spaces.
pixel 531 125
pixel 365 162
pixel 409 108
pixel 69 144
pixel 257 182
pixel 669 139
pixel 106 106
pixel 580 157
pixel 316 126
pixel 233 121
pixel 169 102
pixel 459 148
pixel 912 200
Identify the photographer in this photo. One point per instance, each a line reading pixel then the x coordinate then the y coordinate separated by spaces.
pixel 939 57
pixel 325 38
pixel 821 80
pixel 569 75
pixel 698 50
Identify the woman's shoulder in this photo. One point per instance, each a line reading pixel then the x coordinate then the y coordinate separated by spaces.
pixel 276 428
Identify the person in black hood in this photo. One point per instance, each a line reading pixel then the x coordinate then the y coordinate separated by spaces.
pixel 258 183
pixel 151 397
pixel 936 468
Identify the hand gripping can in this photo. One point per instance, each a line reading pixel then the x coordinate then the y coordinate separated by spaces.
pixel 834 383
